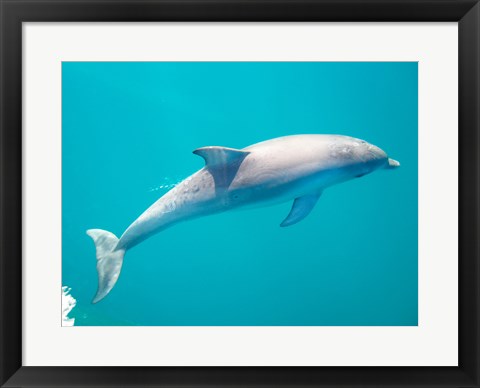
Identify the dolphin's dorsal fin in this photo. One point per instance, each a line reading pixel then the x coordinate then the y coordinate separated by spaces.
pixel 223 163
pixel 217 156
pixel 302 206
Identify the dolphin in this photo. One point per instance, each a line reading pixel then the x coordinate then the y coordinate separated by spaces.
pixel 297 167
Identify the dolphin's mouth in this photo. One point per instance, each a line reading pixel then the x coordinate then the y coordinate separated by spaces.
pixel 393 163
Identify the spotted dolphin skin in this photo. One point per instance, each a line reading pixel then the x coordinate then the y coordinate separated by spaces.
pixel 293 168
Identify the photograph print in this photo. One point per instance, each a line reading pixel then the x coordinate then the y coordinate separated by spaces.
pixel 239 194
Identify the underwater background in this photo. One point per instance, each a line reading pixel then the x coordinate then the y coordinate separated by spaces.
pixel 128 132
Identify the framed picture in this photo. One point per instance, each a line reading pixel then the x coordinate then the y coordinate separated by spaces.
pixel 239 193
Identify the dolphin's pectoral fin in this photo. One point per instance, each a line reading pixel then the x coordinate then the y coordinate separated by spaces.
pixel 218 156
pixel 301 208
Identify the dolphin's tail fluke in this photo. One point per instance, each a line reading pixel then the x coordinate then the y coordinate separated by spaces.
pixel 109 261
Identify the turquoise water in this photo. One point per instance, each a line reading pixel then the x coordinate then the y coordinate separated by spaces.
pixel 128 134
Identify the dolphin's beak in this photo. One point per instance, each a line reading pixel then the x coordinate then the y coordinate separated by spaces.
pixel 392 164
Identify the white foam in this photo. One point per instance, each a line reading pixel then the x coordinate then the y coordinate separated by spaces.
pixel 68 303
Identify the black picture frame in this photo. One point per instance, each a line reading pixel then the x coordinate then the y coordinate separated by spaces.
pixel 14 12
